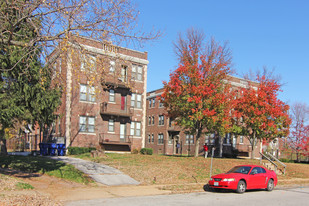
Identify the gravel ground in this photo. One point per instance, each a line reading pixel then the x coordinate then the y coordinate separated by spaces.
pixel 11 195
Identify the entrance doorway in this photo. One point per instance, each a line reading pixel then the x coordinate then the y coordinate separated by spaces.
pixel 122 132
pixel 177 145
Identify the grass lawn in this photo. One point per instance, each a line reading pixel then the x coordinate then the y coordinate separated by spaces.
pixel 176 170
pixel 174 173
pixel 43 165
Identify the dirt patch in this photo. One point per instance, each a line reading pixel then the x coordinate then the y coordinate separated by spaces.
pixel 47 190
pixel 50 190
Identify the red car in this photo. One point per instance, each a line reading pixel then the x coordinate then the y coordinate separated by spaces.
pixel 245 177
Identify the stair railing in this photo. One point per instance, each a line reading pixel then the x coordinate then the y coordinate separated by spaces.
pixel 281 163
pixel 270 157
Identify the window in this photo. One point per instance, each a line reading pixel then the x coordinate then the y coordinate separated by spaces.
pixel 152 138
pixel 227 139
pixel 149 120
pixel 112 95
pixel 153 102
pixel 189 139
pixel 112 66
pixel 111 125
pixel 136 101
pixel 150 103
pixel 161 119
pixel 257 170
pixel 137 72
pixel 87 93
pixel 149 138
pixel 123 74
pixel 135 129
pixel 160 138
pixel 88 62
pixel 161 104
pixel 153 120
pixel 241 139
pixel 86 124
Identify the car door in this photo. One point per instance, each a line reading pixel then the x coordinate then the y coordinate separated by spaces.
pixel 257 178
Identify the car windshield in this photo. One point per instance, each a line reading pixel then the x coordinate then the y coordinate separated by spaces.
pixel 240 169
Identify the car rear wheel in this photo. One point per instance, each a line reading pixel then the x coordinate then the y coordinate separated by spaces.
pixel 270 185
pixel 241 187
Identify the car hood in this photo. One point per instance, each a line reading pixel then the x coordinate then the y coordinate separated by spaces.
pixel 227 175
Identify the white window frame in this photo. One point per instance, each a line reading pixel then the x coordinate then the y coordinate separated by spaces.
pixel 111 97
pixel 241 139
pixel 87 124
pixel 88 60
pixel 135 129
pixel 87 93
pixel 161 120
pixel 136 101
pixel 160 139
pixel 189 139
pixel 111 125
pixel 112 66
pixel 137 72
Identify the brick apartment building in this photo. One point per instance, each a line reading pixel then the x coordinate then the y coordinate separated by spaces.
pixel 104 98
pixel 164 137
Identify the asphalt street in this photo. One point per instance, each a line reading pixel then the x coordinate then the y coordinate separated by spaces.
pixel 286 197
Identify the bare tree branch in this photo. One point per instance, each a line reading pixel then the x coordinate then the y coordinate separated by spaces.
pixel 54 20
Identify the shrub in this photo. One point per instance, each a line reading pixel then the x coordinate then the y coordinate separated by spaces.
pixel 80 150
pixel 135 151
pixel 286 160
pixel 146 151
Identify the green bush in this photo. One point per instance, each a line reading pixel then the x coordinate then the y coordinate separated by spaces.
pixel 135 151
pixel 286 160
pixel 146 151
pixel 80 150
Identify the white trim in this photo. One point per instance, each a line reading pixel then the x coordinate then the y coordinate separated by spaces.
pixel 113 54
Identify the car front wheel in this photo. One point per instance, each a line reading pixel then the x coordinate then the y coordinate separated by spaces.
pixel 270 185
pixel 241 187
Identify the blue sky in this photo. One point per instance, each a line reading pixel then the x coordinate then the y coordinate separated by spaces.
pixel 271 33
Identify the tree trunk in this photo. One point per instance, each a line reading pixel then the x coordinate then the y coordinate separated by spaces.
pixel 253 145
pixel 197 142
pixel 220 146
pixel 3 149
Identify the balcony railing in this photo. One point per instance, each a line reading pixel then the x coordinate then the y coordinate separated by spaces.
pixel 107 108
pixel 117 139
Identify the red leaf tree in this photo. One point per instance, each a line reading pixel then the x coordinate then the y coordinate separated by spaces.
pixel 298 139
pixel 196 96
pixel 260 114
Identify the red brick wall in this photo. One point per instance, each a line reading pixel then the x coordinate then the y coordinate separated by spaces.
pixel 82 108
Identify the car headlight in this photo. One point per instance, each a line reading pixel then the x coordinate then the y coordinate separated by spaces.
pixel 228 179
pixel 211 179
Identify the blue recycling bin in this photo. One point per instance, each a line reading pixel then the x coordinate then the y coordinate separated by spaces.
pixel 52 149
pixel 61 149
pixel 44 149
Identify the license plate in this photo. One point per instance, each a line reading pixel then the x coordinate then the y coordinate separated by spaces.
pixel 216 183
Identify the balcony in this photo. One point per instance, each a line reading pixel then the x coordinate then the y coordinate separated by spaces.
pixel 173 127
pixel 119 82
pixel 115 142
pixel 118 110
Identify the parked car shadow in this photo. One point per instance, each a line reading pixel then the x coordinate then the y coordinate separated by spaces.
pixel 218 190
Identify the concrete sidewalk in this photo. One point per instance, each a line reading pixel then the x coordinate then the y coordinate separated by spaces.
pixel 98 172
